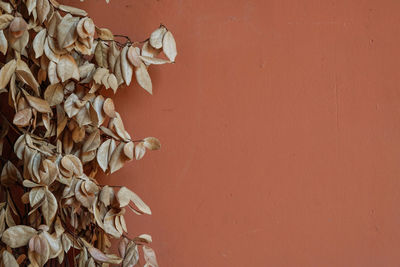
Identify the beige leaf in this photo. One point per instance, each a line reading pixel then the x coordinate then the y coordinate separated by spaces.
pixel 117 159
pixel 50 53
pixel 92 142
pixel 18 236
pixel 9 260
pixel 143 78
pixel 3 43
pixel 125 195
pixel 6 7
pixel 73 10
pixel 52 73
pixel 6 72
pixel 39 104
pixel 19 44
pixel 134 56
pixel 112 81
pixel 98 107
pixel 152 143
pixel 149 51
pixel 18 26
pixel 99 74
pixel 126 68
pixel 156 38
pixel 30 5
pixel 23 117
pixel 128 150
pixel 49 207
pixel 54 94
pixel 38 43
pixel 26 76
pixel 99 256
pixel 169 46
pixel 149 257
pixel 66 31
pixel 104 34
pixel 109 108
pixel 113 54
pixel 5 20
pixel 42 9
pixel 101 54
pixel 70 107
pixel 36 195
pixel 154 60
pixel 140 150
pixel 102 154
pixel 67 68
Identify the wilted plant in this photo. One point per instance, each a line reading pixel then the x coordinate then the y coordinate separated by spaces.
pixel 61 130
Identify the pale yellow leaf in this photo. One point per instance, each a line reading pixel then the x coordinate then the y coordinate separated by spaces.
pixel 126 68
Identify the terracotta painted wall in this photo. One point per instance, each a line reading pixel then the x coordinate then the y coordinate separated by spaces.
pixel 280 126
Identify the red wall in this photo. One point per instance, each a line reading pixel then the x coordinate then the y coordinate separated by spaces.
pixel 280 125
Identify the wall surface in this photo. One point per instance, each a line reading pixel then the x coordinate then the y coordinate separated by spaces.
pixel 280 125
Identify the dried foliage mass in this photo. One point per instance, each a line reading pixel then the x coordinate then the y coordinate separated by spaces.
pixel 56 64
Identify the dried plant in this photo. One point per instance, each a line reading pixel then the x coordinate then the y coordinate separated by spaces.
pixel 60 130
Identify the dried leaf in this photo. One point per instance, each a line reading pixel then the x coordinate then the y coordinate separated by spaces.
pixel 169 46
pixel 66 31
pixel 125 195
pixel 18 236
pixel 42 9
pixel 9 260
pixel 143 78
pixel 54 94
pixel 126 68
pixel 156 38
pixel 6 72
pixel 152 143
pixel 38 43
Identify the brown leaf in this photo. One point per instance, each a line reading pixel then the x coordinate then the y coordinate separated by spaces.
pixel 54 94
pixel 101 54
pixel 6 72
pixel 152 143
pixel 26 76
pixel 23 117
pixel 18 236
pixel 39 104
